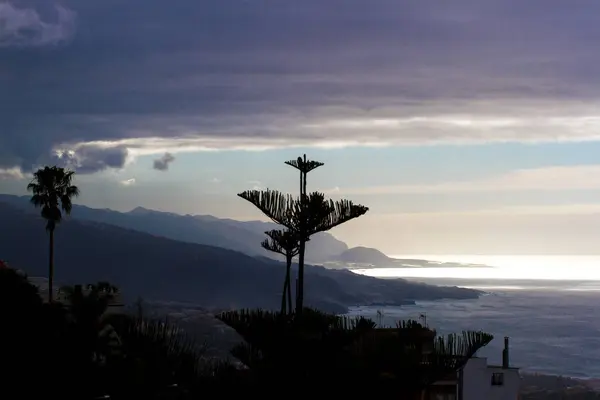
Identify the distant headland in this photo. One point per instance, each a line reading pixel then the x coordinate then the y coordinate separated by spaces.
pixel 366 257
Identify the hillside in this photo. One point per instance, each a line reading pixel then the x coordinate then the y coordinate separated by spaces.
pixel 243 236
pixel 365 255
pixel 163 269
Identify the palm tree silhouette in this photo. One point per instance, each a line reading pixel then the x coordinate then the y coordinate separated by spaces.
pixel 52 191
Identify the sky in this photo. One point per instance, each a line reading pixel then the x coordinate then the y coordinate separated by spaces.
pixel 467 127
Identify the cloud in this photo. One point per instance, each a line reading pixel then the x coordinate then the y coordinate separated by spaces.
pixel 554 210
pixel 256 185
pixel 554 178
pixel 162 164
pixel 25 27
pixel 11 174
pixel 220 74
pixel 128 182
pixel 89 158
pixel 215 180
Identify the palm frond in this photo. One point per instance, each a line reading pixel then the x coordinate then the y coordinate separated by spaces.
pixel 274 204
pixel 37 200
pixel 66 204
pixel 272 246
pixel 463 345
pixel 286 240
pixel 304 165
pixel 322 214
pixel 341 211
pixel 52 190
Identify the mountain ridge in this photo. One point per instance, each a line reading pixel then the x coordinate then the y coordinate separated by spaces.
pixel 244 236
pixel 162 269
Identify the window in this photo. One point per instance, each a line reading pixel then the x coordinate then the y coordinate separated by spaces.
pixel 497 379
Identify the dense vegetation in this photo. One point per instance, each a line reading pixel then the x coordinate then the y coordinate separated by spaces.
pixel 85 351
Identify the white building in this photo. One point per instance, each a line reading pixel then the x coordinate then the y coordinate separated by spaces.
pixel 480 381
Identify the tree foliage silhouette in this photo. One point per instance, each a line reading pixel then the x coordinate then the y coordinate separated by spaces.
pixel 326 350
pixel 52 191
pixel 22 339
pixel 86 308
pixel 285 243
pixel 304 216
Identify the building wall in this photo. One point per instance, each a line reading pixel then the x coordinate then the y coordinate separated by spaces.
pixel 474 382
pixel 510 387
pixel 477 381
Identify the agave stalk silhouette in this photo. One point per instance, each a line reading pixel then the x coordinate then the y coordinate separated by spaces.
pixel 285 243
pixel 304 216
pixel 52 192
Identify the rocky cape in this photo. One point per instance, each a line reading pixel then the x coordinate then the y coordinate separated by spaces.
pixel 366 257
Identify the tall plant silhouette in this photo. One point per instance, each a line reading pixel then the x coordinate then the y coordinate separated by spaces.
pixel 304 166
pixel 285 243
pixel 52 190
pixel 306 215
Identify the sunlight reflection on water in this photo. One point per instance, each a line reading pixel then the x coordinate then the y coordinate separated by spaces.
pixel 552 332
pixel 546 304
pixel 577 268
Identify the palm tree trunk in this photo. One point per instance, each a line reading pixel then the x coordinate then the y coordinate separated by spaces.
pixel 300 294
pixel 300 289
pixel 51 267
pixel 284 294
pixel 289 286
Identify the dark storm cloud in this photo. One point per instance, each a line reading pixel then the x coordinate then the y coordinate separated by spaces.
pixel 24 27
pixel 221 73
pixel 92 158
pixel 162 164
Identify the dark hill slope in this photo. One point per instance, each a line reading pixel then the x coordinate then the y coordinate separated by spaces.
pixel 244 236
pixel 162 269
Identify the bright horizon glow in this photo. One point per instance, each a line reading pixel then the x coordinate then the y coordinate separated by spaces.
pixel 549 268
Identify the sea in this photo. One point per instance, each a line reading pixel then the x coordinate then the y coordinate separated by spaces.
pixel 549 307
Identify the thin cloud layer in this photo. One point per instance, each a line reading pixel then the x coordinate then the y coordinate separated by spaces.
pixel 128 182
pixel 11 173
pixel 557 178
pixel 139 77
